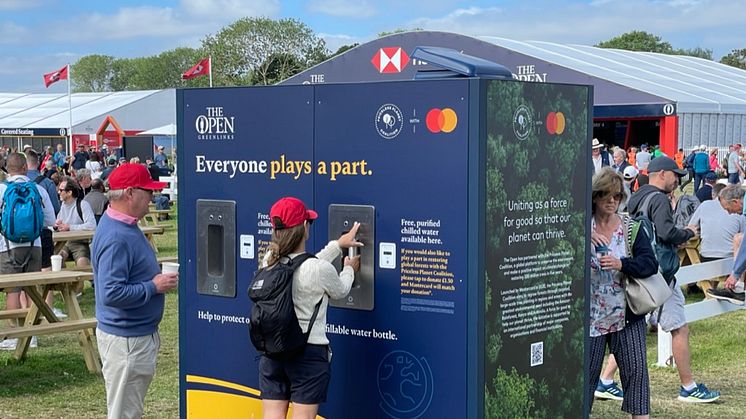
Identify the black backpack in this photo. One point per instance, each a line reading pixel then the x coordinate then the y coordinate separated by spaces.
pixel 666 254
pixel 273 328
pixel 685 208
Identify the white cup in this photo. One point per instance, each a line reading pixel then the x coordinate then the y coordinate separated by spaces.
pixel 167 267
pixel 56 263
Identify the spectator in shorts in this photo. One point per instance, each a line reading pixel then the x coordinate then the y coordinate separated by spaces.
pixel 75 214
pixel 20 257
pixel 304 380
pixel 664 177
pixel 47 241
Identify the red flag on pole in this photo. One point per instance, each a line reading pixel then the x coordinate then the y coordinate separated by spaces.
pixel 55 76
pixel 201 69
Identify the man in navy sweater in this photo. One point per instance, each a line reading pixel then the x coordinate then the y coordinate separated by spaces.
pixel 129 292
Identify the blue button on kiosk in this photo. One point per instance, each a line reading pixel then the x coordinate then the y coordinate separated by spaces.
pixel 472 190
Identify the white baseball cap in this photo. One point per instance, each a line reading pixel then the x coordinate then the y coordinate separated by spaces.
pixel 630 172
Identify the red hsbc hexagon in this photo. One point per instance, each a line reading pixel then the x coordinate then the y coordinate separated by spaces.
pixel 390 60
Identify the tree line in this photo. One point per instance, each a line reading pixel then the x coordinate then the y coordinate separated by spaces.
pixel 261 51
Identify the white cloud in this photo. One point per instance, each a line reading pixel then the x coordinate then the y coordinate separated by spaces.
pixel 335 41
pixel 18 4
pixel 26 72
pixel 10 33
pixel 230 10
pixel 343 8
pixel 129 23
pixel 675 21
pixel 186 25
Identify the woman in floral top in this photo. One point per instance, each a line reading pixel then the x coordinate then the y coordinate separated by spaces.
pixel 612 323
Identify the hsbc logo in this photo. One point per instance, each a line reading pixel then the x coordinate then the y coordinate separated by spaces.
pixel 390 60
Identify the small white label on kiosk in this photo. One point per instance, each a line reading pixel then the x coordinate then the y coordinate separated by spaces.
pixel 247 246
pixel 387 255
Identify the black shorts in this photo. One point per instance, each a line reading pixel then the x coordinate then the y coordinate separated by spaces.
pixel 47 248
pixel 304 379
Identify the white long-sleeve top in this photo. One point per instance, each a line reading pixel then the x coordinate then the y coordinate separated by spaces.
pixel 316 279
pixel 47 209
pixel 69 215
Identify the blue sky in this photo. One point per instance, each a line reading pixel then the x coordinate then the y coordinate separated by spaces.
pixel 39 36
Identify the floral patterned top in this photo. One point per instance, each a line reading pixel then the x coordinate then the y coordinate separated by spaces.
pixel 608 301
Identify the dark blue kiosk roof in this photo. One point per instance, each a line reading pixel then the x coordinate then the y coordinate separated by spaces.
pixel 626 83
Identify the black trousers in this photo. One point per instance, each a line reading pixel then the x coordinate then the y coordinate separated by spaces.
pixel 628 347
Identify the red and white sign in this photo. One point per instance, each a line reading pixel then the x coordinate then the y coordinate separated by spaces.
pixel 390 60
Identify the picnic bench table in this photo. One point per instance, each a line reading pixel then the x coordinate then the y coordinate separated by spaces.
pixel 62 237
pixel 689 255
pixel 153 217
pixel 89 268
pixel 37 285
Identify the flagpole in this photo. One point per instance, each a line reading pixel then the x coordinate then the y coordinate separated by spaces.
pixel 209 67
pixel 70 107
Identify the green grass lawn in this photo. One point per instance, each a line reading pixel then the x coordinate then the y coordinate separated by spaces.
pixel 53 381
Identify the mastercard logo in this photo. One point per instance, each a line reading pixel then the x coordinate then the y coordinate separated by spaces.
pixel 555 123
pixel 441 120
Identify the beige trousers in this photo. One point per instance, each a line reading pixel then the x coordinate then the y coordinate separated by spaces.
pixel 128 365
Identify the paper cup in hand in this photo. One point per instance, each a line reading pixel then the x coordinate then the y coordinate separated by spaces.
pixel 56 263
pixel 167 267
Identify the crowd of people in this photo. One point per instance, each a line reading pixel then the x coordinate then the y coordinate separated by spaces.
pixel 78 193
pixel 74 192
pixel 701 163
pixel 627 185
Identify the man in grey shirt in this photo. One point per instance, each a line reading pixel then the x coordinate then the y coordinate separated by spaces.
pixel 717 227
pixel 97 198
pixel 643 157
pixel 734 165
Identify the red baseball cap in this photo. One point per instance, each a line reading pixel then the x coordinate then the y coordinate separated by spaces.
pixel 291 212
pixel 133 175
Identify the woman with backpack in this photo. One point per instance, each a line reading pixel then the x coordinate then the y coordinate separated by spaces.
pixel 612 322
pixel 303 378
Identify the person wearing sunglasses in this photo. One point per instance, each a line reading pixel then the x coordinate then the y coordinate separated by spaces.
pixel 612 323
pixel 75 214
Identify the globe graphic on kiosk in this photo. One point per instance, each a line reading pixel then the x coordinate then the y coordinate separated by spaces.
pixel 405 385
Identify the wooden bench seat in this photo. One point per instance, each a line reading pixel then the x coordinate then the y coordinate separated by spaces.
pixel 18 313
pixel 153 217
pixel 44 329
pixel 89 268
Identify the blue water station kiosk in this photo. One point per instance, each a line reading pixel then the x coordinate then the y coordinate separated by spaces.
pixel 471 188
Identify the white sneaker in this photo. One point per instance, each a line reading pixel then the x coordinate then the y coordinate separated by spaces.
pixel 58 313
pixel 8 344
pixel 34 342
